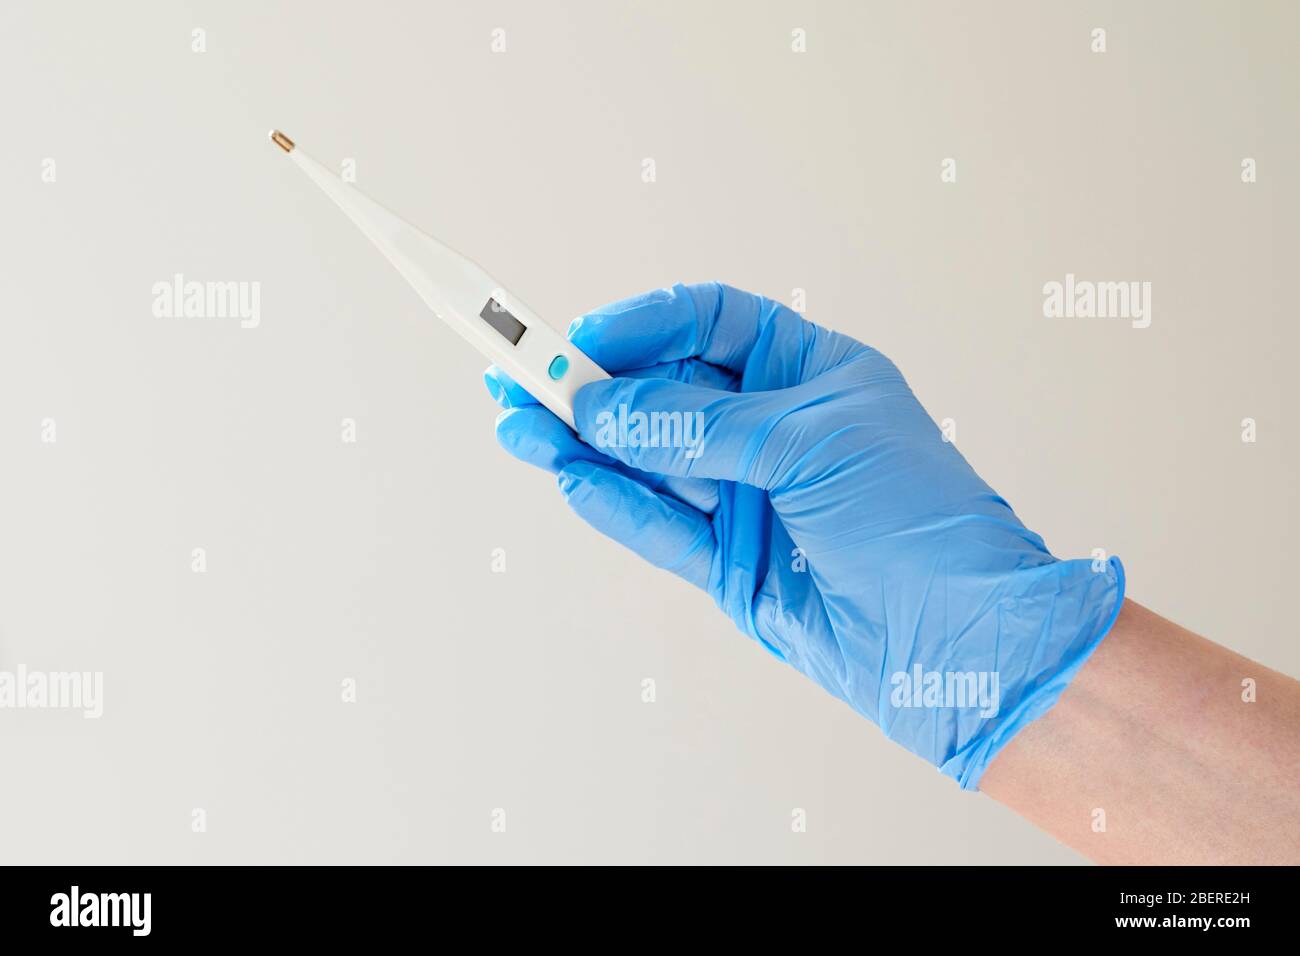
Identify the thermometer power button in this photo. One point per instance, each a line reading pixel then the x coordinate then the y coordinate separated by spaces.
pixel 559 365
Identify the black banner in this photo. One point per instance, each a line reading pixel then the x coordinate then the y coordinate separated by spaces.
pixel 925 908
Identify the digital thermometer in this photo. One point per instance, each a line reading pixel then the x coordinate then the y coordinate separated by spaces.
pixel 464 296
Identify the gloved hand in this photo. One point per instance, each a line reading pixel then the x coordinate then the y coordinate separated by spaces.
pixel 824 513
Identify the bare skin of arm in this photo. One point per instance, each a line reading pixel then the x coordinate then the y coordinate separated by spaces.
pixel 1155 733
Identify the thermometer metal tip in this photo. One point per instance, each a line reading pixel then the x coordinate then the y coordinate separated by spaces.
pixel 284 142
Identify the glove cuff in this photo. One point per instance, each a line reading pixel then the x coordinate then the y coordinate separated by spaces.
pixel 1062 615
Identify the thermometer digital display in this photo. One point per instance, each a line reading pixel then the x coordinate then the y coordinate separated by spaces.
pixel 495 315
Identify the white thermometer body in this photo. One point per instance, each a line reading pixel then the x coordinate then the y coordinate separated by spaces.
pixel 465 297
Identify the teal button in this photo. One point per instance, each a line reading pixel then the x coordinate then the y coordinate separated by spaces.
pixel 559 365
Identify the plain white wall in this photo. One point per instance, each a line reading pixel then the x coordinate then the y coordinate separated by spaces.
pixel 372 561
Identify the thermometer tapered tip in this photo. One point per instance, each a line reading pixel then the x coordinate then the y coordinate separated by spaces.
pixel 284 142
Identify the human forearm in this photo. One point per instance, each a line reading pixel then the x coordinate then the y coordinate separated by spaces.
pixel 1153 755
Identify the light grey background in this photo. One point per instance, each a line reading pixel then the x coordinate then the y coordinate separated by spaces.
pixel 372 561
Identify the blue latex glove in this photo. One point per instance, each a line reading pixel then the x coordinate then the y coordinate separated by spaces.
pixel 824 513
